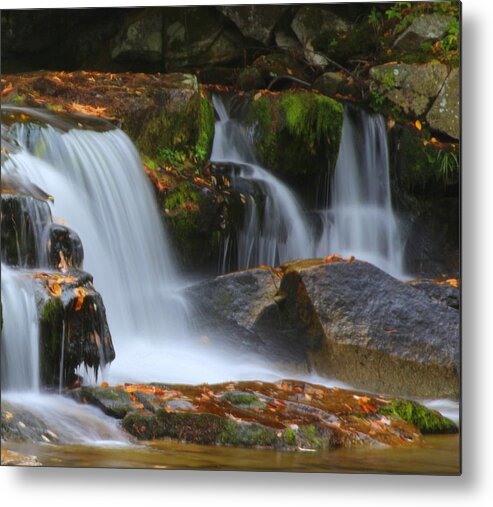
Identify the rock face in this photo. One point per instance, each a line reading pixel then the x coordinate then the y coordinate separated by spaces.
pixel 140 39
pixel 64 247
pixel 288 415
pixel 254 21
pixel 444 115
pixel 411 87
pixel 442 292
pixel 317 29
pixel 370 329
pixel 427 28
pixel 196 36
pixel 240 296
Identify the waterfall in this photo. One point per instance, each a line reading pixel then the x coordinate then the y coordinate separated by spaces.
pixel 273 232
pixel 101 191
pixel 20 332
pixel 358 218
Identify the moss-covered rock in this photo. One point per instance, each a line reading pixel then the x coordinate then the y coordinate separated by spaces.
pixel 428 421
pixel 73 327
pixel 193 218
pixel 288 415
pixel 297 133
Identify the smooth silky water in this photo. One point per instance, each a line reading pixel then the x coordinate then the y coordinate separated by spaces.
pixel 101 192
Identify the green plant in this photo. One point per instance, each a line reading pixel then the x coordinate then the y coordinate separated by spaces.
pixel 171 157
pixel 449 165
pixel 396 11
pixel 451 40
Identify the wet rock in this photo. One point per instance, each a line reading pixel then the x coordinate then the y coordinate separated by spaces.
pixel 12 458
pixel 64 248
pixel 73 327
pixel 251 78
pixel 24 220
pixel 141 39
pixel 255 21
pixel 20 425
pixel 423 29
pixel 240 296
pixel 296 133
pixel 369 329
pixel 288 415
pixel 411 87
pixel 442 292
pixel 444 113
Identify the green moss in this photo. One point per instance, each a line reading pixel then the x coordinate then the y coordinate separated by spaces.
pixel 310 437
pixel 289 437
pixel 247 435
pixel 241 398
pixel 51 336
pixel 180 136
pixel 297 133
pixel 206 121
pixel 426 420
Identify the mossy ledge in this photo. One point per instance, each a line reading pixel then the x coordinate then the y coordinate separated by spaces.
pixel 426 420
pixel 296 132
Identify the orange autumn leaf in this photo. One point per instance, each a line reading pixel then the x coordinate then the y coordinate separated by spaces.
pixel 54 288
pixel 80 293
pixel 337 258
pixel 104 384
pixel 418 125
pixel 7 89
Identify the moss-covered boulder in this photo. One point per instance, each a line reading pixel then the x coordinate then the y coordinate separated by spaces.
pixel 73 327
pixel 166 116
pixel 297 134
pixel 411 88
pixel 287 415
pixel 194 219
pixel 444 113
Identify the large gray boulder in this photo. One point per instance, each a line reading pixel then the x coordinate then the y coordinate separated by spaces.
pixel 411 87
pixel 255 22
pixel 444 114
pixel 368 329
pixel 239 297
pixel 423 29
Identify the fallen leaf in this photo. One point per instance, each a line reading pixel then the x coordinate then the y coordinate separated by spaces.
pixel 418 125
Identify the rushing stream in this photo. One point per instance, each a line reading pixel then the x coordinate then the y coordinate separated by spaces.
pixel 101 192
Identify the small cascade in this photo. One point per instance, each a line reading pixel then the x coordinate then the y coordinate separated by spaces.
pixel 358 218
pixel 274 227
pixel 20 332
pixel 102 193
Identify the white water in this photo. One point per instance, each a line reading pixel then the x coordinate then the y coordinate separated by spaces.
pixel 359 219
pixel 20 332
pixel 70 422
pixel 277 234
pixel 102 193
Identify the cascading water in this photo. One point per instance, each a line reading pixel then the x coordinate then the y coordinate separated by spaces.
pixel 273 232
pixel 359 219
pixel 101 191
pixel 20 332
